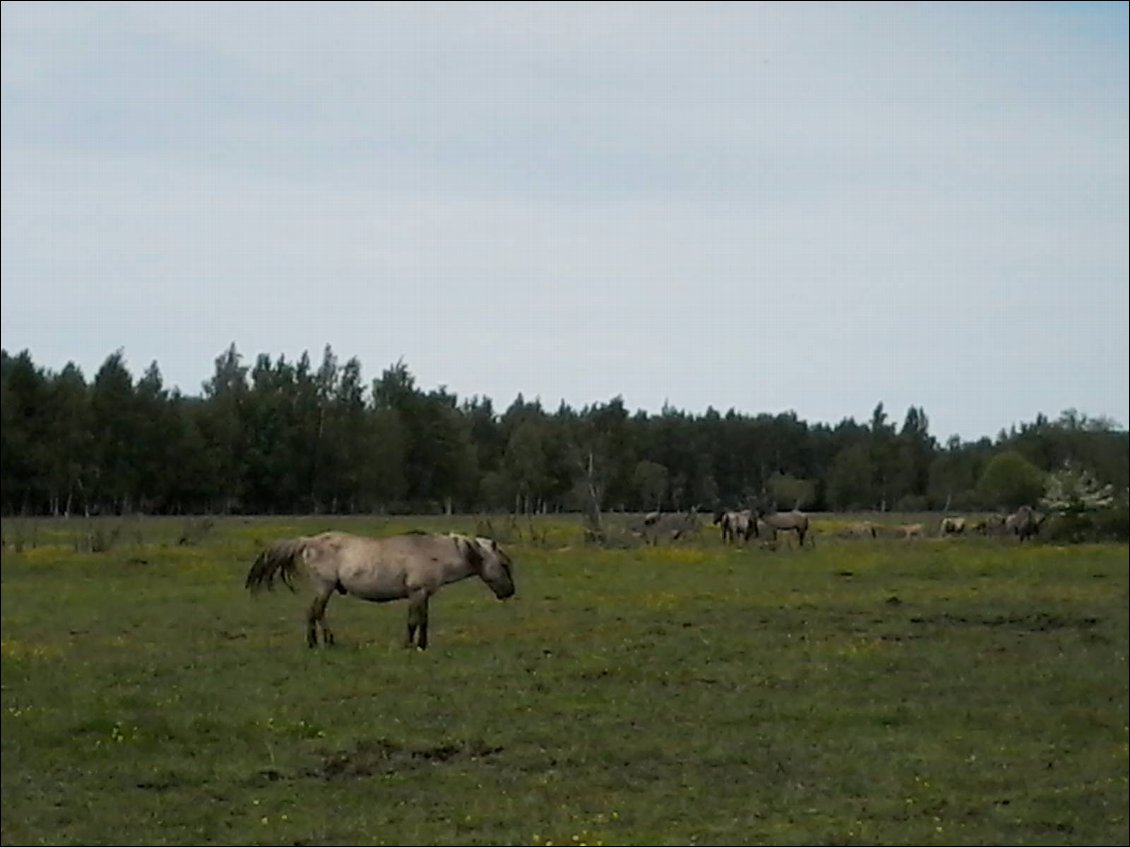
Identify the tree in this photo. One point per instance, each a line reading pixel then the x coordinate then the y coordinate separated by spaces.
pixel 650 481
pixel 526 465
pixel 884 459
pixel 223 425
pixel 788 492
pixel 914 449
pixel 156 448
pixel 615 449
pixel 118 433
pixel 1074 490
pixel 274 455
pixel 952 476
pixel 384 483
pixel 851 481
pixel 68 430
pixel 1009 481
pixel 345 449
pixel 289 436
pixel 24 453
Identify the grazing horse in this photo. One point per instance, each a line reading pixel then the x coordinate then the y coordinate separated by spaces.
pixel 794 521
pixel 863 529
pixel 669 527
pixel 736 525
pixel 952 526
pixel 411 567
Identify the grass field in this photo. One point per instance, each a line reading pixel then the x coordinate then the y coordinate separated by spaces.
pixel 958 691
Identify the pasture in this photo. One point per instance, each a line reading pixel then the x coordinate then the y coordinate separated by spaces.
pixel 862 691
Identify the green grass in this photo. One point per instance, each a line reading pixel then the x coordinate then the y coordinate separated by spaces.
pixel 966 691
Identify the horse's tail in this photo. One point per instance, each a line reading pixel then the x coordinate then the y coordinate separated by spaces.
pixel 281 559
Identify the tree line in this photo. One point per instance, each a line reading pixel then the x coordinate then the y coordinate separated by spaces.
pixel 279 436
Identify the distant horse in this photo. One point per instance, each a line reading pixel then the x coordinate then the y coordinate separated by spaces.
pixel 793 521
pixel 952 526
pixel 1024 523
pixel 669 527
pixel 862 529
pixel 990 525
pixel 910 530
pixel 411 567
pixel 735 525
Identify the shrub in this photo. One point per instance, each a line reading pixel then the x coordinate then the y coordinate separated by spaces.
pixel 1111 524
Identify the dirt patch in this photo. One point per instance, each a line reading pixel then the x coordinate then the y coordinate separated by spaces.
pixel 380 756
pixel 1039 622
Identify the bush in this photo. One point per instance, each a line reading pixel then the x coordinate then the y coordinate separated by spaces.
pixel 1112 524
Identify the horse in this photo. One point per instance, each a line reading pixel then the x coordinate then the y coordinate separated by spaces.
pixel 1024 523
pixel 735 525
pixel 862 529
pixel 411 567
pixel 988 525
pixel 671 526
pixel 952 526
pixel 910 530
pixel 794 521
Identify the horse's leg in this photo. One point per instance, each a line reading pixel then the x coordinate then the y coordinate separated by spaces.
pixel 417 620
pixel 327 635
pixel 422 640
pixel 316 615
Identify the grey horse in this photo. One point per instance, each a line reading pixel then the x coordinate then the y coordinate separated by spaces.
pixel 735 525
pixel 411 567
pixel 794 521
pixel 1024 523
pixel 671 526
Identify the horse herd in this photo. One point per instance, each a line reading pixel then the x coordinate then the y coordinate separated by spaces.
pixel 415 565
pixel 1024 524
pixel 657 527
pixel 757 523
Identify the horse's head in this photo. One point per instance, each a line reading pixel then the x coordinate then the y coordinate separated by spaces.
pixel 495 567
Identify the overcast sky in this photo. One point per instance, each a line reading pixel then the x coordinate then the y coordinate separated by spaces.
pixel 806 207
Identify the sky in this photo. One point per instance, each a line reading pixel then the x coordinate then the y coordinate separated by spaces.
pixel 800 207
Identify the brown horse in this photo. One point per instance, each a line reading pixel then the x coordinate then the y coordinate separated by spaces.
pixel 409 567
